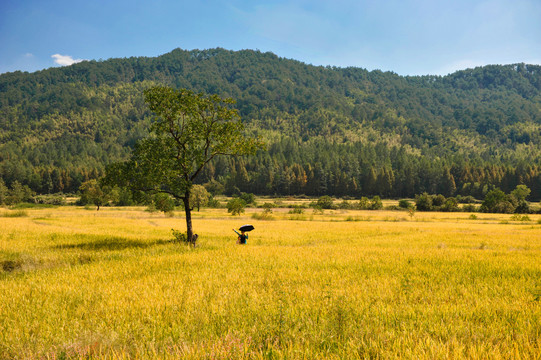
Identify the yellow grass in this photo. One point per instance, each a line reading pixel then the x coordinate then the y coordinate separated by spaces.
pixel 77 283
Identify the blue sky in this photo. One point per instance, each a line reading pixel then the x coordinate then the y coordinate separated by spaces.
pixel 409 37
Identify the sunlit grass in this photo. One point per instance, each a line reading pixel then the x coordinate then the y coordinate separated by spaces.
pixel 343 284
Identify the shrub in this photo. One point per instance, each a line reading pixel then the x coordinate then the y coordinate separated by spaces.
pixel 345 205
pixel 262 216
pixel 248 198
pixel 325 202
pixel 49 199
pixel 438 200
pixel 179 236
pixel 375 203
pixel 182 237
pixel 364 203
pixel 496 201
pixel 423 202
pixel 518 217
pixel 318 210
pixel 466 199
pixel 450 205
pixel 404 204
pixel 523 207
pixel 297 209
pixel 266 214
pixel 213 203
pixel 469 208
pixel 236 206
pixel 165 203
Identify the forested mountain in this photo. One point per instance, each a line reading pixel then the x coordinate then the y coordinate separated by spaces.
pixel 335 131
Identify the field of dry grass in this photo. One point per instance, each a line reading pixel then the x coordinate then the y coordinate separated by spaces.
pixel 78 283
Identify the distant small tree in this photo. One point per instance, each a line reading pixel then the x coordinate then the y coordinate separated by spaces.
pixel 423 202
pixel 521 192
pixel 93 193
pixel 523 207
pixel 411 211
pixel 3 192
pixel 438 201
pixel 496 201
pixel 18 193
pixel 404 204
pixel 364 203
pixel 124 198
pixel 214 187
pixel 344 205
pixel 450 205
pixel 325 202
pixel 376 203
pixel 236 206
pixel 248 198
pixel 199 196
pixel 267 208
pixel 164 202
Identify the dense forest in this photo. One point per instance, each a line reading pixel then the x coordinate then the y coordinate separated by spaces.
pixel 329 131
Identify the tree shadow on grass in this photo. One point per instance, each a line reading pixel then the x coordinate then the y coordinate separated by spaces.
pixel 109 243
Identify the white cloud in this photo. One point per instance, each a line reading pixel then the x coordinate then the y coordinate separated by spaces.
pixel 65 60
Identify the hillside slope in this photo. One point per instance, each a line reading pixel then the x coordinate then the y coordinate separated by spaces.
pixel 341 131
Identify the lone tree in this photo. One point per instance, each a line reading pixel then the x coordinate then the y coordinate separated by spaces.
pixel 190 130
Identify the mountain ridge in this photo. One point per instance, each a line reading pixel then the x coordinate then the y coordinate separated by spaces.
pixel 79 118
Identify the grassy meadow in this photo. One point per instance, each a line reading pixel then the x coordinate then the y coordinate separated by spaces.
pixel 80 283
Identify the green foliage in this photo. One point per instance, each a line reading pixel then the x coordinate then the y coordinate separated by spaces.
pixel 92 192
pixel 267 207
pixel 266 214
pixel 324 202
pixel 249 199
pixel 517 217
pixel 469 208
pixel 180 237
pixel 426 202
pixel 190 130
pixel 164 202
pixel 17 194
pixel 330 131
pixel 423 202
pixel 523 207
pixel 521 192
pixel 49 200
pixel 296 210
pixel 466 199
pixel 404 204
pixel 213 203
pixel 364 203
pixel 214 187
pixel 236 206
pixel 450 205
pixel 199 196
pixel 497 201
pixel 375 203
pixel 3 192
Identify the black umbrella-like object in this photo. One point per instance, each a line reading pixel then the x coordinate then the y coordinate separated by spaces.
pixel 246 228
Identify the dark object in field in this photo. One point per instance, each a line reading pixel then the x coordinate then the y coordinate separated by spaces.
pixel 246 228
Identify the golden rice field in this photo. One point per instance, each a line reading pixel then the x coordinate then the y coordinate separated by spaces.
pixel 78 283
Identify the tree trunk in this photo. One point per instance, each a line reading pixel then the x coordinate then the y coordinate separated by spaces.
pixel 188 211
